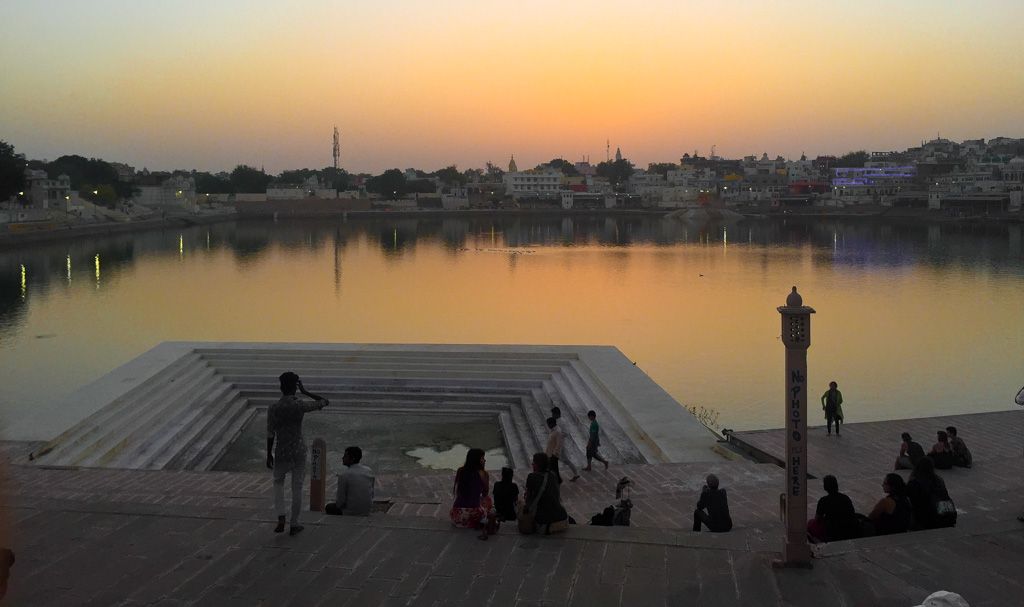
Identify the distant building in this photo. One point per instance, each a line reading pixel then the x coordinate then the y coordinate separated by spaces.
pixel 45 193
pixel 455 198
pixel 311 188
pixel 879 185
pixel 177 191
pixel 646 184
pixel 124 172
pixel 543 183
pixel 585 168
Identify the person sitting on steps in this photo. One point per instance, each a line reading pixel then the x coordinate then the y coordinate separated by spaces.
pixel 355 486
pixel 961 454
pixel 712 508
pixel 910 452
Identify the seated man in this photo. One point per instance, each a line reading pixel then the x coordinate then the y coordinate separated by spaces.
pixel 834 518
pixel 355 486
pixel 961 454
pixel 716 516
pixel 910 452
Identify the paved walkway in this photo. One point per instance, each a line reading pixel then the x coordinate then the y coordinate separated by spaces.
pixel 864 453
pixel 118 537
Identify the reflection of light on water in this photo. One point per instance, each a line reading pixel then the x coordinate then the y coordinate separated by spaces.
pixel 69 269
pixel 23 286
pixel 453 458
pixel 181 246
pixel 97 270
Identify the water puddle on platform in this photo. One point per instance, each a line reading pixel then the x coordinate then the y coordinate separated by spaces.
pixel 391 443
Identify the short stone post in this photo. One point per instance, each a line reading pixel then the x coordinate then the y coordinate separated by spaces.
pixel 796 336
pixel 318 475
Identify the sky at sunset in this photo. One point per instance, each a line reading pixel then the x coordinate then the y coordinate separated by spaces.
pixel 209 85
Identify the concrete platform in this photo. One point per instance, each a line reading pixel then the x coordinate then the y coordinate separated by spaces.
pixel 865 452
pixel 93 536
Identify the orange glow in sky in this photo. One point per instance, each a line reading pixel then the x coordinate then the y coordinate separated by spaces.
pixel 210 85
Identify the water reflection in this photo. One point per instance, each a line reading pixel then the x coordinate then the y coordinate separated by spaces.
pixel 690 301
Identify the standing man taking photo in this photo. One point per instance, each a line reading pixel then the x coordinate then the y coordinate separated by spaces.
pixel 284 422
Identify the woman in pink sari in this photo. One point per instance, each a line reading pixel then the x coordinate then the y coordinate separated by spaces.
pixel 472 507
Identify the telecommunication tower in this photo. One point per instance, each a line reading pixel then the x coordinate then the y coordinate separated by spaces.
pixel 608 149
pixel 337 148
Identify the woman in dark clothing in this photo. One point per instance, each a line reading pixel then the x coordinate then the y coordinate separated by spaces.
pixel 942 452
pixel 549 507
pixel 892 513
pixel 929 500
pixel 834 518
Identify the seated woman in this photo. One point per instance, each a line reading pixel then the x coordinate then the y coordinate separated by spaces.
pixel 892 513
pixel 942 452
pixel 834 518
pixel 929 501
pixel 549 508
pixel 472 507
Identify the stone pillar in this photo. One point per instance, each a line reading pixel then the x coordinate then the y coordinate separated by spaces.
pixel 796 336
pixel 318 475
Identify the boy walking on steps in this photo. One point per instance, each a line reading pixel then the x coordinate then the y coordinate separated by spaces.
pixel 594 442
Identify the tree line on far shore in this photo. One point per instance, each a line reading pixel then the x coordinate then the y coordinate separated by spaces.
pixel 97 181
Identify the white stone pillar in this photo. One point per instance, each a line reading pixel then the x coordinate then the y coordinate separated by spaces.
pixel 796 336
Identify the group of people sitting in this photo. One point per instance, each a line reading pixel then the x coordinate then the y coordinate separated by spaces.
pixel 475 508
pixel 949 450
pixel 923 502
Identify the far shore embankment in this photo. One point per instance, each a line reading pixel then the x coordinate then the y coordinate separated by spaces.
pixel 361 209
pixel 70 231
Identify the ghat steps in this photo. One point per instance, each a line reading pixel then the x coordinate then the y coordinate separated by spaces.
pixel 181 405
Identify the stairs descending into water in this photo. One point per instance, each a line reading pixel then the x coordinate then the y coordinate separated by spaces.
pixel 187 414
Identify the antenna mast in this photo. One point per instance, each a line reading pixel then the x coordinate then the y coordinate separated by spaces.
pixel 608 150
pixel 337 148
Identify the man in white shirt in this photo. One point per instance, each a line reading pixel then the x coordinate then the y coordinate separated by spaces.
pixel 355 486
pixel 556 414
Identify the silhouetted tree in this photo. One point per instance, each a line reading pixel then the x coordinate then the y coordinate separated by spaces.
pixel 662 168
pixel 473 175
pixel 12 171
pixel 295 176
pixel 494 173
pixel 450 175
pixel 82 171
pixel 852 160
pixel 246 179
pixel 335 178
pixel 101 194
pixel 565 166
pixel 207 183
pixel 616 171
pixel 391 183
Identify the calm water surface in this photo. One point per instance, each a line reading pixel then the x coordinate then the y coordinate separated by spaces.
pixel 911 320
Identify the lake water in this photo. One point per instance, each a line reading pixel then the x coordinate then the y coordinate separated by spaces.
pixel 912 319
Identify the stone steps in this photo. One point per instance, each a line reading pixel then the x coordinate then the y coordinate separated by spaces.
pixel 91 430
pixel 285 355
pixel 303 368
pixel 188 413
pixel 209 439
pixel 143 419
pixel 192 415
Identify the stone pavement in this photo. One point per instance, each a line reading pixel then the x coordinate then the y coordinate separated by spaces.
pixel 865 452
pixel 124 537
